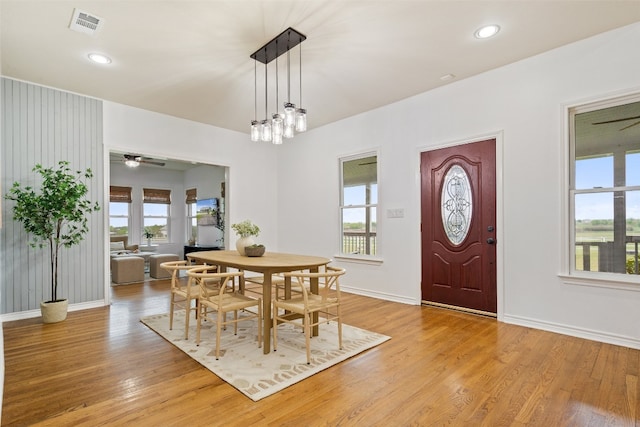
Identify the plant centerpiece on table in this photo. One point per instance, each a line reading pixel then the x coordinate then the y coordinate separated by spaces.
pixel 56 216
pixel 246 230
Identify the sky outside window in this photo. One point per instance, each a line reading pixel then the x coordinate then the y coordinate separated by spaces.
pixel 598 173
pixel 355 195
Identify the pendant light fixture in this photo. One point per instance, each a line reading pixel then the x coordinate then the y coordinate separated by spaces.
pixel 292 120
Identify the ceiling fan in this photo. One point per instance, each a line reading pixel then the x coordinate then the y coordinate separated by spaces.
pixel 133 160
pixel 621 120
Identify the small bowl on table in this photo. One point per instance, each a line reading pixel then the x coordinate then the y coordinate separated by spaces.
pixel 254 250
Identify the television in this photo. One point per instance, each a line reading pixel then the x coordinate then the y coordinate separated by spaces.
pixel 207 212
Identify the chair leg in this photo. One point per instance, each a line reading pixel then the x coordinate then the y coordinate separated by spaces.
pixel 307 335
pixel 235 323
pixel 198 322
pixel 187 307
pixel 339 328
pixel 275 327
pixel 171 305
pixel 219 331
pixel 260 320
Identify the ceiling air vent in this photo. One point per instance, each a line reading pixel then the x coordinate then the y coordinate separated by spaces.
pixel 84 22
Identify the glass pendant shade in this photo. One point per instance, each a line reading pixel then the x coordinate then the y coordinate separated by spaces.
pixel 277 125
pixel 288 131
pixel 289 114
pixel 277 139
pixel 266 131
pixel 255 130
pixel 301 120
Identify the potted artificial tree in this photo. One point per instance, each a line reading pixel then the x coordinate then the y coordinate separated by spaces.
pixel 55 216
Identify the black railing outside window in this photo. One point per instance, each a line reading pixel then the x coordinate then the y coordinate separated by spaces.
pixel 601 256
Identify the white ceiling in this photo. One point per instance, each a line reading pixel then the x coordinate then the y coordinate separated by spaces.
pixel 190 59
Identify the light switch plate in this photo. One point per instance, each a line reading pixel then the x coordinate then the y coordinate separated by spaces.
pixel 395 213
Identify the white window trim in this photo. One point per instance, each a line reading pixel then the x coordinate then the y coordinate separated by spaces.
pixel 359 258
pixel 568 274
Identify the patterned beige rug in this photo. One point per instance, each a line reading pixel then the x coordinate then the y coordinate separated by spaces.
pixel 243 365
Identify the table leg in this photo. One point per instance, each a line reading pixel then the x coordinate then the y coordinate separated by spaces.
pixel 266 312
pixel 241 284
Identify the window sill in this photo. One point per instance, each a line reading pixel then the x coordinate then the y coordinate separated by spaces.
pixel 604 280
pixel 359 259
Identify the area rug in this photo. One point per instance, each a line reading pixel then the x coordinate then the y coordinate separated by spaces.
pixel 243 365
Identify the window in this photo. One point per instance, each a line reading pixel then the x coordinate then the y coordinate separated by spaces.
pixel 605 187
pixel 119 203
pixel 192 225
pixel 155 207
pixel 359 204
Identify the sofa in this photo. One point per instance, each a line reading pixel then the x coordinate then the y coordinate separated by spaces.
pixel 119 245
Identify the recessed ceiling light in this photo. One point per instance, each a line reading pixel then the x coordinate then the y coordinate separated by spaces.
pixel 99 58
pixel 487 31
pixel 447 77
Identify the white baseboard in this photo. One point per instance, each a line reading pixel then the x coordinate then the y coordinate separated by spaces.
pixel 379 295
pixel 36 313
pixel 573 331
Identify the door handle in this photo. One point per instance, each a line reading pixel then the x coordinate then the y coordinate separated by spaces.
pixel 491 241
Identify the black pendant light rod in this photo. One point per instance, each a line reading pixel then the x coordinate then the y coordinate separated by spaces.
pixel 300 57
pixel 277 45
pixel 266 94
pixel 277 78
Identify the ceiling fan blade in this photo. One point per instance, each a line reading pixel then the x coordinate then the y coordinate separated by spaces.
pixel 631 125
pixel 616 120
pixel 138 158
pixel 132 157
pixel 149 162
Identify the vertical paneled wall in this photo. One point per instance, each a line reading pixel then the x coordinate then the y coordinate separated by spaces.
pixel 41 125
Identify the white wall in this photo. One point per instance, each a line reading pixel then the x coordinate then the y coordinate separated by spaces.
pixel 523 104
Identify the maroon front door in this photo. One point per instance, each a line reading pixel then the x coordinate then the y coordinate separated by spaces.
pixel 459 226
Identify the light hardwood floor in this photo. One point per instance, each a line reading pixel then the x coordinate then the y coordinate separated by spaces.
pixel 104 367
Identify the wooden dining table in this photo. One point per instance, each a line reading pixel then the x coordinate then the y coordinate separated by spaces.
pixel 269 264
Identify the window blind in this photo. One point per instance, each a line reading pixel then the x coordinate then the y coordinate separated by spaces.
pixel 120 194
pixel 192 195
pixel 154 195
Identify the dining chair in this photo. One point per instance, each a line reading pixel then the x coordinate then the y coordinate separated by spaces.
pixel 277 282
pixel 215 304
pixel 182 294
pixel 326 303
